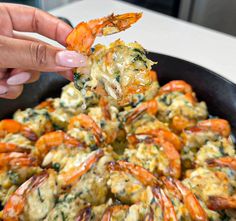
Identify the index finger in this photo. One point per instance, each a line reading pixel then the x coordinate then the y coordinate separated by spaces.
pixel 29 19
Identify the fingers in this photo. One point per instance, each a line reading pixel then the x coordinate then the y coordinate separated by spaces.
pixel 34 20
pixel 9 91
pixel 18 76
pixel 11 83
pixel 3 87
pixel 20 53
pixel 35 75
pixel 13 92
pixel 27 38
pixel 17 53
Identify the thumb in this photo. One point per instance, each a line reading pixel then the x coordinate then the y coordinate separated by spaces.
pixel 24 54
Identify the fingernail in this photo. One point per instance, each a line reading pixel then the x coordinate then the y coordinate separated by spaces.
pixel 70 59
pixel 19 78
pixel 3 89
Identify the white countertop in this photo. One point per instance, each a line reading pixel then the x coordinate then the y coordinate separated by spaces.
pixel 162 34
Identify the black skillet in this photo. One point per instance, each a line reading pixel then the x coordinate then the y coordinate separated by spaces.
pixel 216 91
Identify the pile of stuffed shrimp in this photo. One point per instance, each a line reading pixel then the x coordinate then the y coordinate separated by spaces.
pixel 116 145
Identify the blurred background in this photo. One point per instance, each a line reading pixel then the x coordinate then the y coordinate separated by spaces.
pixel 215 14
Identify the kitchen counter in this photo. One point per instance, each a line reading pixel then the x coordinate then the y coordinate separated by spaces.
pixel 163 34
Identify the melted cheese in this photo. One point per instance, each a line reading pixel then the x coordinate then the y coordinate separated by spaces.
pixel 18 140
pixel 204 183
pixel 37 120
pixel 92 187
pixel 126 188
pixel 176 104
pixel 118 66
pixel 148 156
pixel 41 200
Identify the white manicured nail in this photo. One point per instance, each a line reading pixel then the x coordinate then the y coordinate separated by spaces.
pixel 19 78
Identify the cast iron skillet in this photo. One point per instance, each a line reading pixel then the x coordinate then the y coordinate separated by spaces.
pixel 216 91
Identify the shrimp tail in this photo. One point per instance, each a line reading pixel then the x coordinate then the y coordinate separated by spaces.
pixel 223 162
pixel 82 37
pixel 220 203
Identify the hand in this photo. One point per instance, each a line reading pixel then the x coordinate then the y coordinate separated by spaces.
pixel 22 57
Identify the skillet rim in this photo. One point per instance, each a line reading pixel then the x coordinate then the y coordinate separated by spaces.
pixel 57 79
pixel 194 65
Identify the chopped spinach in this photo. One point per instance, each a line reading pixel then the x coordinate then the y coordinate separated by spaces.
pixel 221 149
pixel 139 51
pixel 56 166
pixel 153 200
pixel 137 99
pixel 57 127
pixel 78 194
pixel 102 123
pixel 39 195
pixel 14 177
pixel 117 75
pixel 62 103
pixel 63 216
pixel 164 99
pixel 77 81
pixel 138 57
pixel 76 76
pixel 118 78
pixel 93 147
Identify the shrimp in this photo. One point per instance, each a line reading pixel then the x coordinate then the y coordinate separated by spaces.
pixel 167 136
pixel 223 162
pixel 10 147
pixel 149 216
pixel 48 104
pixel 82 37
pixel 180 86
pixel 196 211
pixel 143 175
pixel 166 205
pixel 14 159
pixel 15 204
pixel 85 214
pixel 87 123
pixel 90 213
pixel 103 103
pixel 176 85
pixel 179 123
pixel 170 186
pixel 116 77
pixel 153 75
pixel 70 176
pixel 54 139
pixel 168 148
pixel 173 157
pixel 220 202
pixel 12 126
pixel 149 107
pixel 106 115
pixel 161 134
pixel 113 209
pixel 219 126
pixel 182 193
